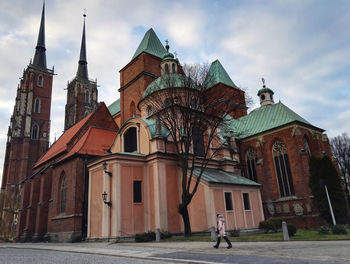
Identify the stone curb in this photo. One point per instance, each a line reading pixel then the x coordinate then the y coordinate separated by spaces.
pixel 94 251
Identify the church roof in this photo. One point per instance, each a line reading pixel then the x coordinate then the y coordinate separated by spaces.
pixel 264 118
pixel 114 108
pixel 219 176
pixel 151 45
pixel 39 60
pixel 84 137
pixel 217 74
pixel 172 80
pixel 60 145
pixel 94 142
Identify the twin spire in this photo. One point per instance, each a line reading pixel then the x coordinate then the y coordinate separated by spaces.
pixel 40 50
pixel 82 72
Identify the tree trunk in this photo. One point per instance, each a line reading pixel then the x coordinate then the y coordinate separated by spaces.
pixel 186 219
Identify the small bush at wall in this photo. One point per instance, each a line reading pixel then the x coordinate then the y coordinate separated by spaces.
pixel 339 230
pixel 145 237
pixel 291 229
pixel 323 230
pixel 235 232
pixel 272 224
pixel 165 234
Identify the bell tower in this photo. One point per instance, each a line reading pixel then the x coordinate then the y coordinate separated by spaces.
pixel 29 131
pixel 81 92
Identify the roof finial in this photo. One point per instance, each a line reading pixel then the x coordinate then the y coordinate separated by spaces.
pixel 263 81
pixel 84 15
pixel 167 45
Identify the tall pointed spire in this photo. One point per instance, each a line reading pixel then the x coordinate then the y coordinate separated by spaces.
pixel 40 50
pixel 82 72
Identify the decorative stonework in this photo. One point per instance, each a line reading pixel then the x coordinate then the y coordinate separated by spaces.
pixel 298 209
pixel 278 209
pixel 286 208
pixel 270 208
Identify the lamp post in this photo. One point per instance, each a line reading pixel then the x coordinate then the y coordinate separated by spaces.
pixel 329 201
pixel 104 198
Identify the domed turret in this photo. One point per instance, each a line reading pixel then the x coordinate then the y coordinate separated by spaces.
pixel 169 63
pixel 266 95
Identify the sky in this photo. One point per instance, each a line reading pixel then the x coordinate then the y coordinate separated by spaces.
pixel 300 47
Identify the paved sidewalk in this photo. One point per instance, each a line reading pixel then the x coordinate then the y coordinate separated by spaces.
pixel 203 252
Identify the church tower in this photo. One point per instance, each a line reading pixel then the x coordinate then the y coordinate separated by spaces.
pixel 81 92
pixel 29 131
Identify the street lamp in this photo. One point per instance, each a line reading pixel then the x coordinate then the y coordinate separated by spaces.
pixel 104 198
pixel 105 169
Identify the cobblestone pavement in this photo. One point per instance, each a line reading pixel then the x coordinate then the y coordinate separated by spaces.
pixel 296 252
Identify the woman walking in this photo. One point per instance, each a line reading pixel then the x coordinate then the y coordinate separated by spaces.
pixel 221 231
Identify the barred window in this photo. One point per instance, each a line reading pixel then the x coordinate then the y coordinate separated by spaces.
pixel 283 172
pixel 251 164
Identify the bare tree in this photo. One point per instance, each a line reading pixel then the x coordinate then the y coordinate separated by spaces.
pixel 195 125
pixel 340 146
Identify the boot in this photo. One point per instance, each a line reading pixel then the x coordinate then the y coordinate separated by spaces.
pixel 228 242
pixel 217 243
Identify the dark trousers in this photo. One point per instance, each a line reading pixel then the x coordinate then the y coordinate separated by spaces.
pixel 226 239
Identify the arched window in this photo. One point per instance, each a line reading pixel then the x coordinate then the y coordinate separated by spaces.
pixel 132 109
pixel 87 97
pixel 130 140
pixel 283 173
pixel 149 110
pixel 173 68
pixel 40 81
pixel 35 131
pixel 251 164
pixel 166 68
pixel 63 193
pixel 37 105
pixel 306 146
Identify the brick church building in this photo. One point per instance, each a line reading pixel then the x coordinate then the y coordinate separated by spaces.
pixel 112 172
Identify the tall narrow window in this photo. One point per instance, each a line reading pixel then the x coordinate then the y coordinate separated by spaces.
pixel 40 81
pixel 63 193
pixel 130 140
pixel 173 68
pixel 166 68
pixel 37 105
pixel 137 192
pixel 35 131
pixel 306 145
pixel 198 142
pixel 246 201
pixel 283 173
pixel 87 97
pixel 228 201
pixel 132 109
pixel 251 164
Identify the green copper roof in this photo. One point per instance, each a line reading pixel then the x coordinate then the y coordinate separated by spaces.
pixel 265 89
pixel 216 75
pixel 264 118
pixel 168 56
pixel 151 124
pixel 114 108
pixel 150 44
pixel 172 80
pixel 220 176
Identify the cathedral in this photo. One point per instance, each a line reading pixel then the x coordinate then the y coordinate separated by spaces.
pixel 114 173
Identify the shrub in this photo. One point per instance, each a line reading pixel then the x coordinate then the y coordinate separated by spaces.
pixel 145 237
pixel 323 230
pixel 165 234
pixel 272 224
pixel 339 230
pixel 235 232
pixel 291 229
